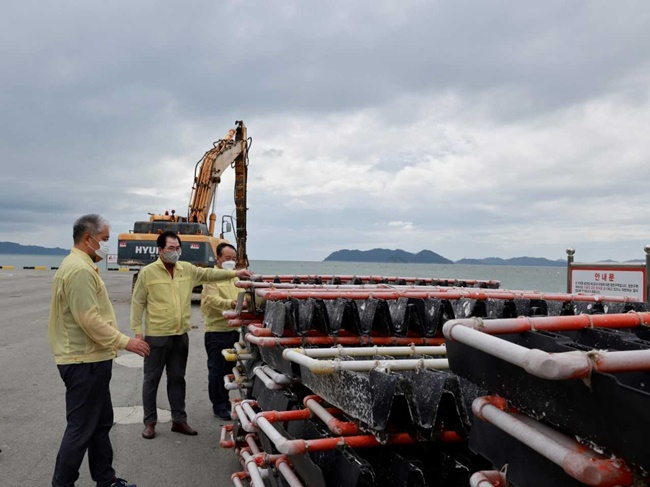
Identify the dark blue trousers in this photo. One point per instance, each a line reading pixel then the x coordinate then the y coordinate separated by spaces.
pixel 89 412
pixel 215 342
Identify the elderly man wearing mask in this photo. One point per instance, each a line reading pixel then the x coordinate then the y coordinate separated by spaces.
pixel 84 338
pixel 164 291
pixel 216 298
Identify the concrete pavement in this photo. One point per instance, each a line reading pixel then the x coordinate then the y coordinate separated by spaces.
pixel 32 399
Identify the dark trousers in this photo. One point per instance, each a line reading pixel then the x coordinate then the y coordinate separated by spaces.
pixel 89 412
pixel 215 342
pixel 167 353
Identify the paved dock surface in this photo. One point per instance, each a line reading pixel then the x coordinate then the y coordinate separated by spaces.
pixel 32 399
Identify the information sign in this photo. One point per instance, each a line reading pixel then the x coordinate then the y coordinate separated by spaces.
pixel 609 281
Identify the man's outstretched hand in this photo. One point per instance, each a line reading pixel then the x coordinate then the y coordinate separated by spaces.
pixel 136 345
pixel 243 274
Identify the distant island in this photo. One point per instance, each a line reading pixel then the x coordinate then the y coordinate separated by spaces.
pixel 385 255
pixel 400 256
pixel 18 249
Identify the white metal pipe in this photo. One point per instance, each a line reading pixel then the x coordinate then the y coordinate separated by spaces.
pixel 371 351
pixel 229 385
pixel 332 366
pixel 268 382
pixel 274 435
pixel 237 374
pixel 488 478
pixel 246 423
pixel 319 410
pixel 237 481
pixel 621 361
pixel 231 355
pixel 241 381
pixel 276 376
pixel 252 444
pixel 287 472
pixel 592 469
pixel 558 366
pixel 251 468
pixel 335 425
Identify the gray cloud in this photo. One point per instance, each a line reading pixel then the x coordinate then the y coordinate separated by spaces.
pixel 487 128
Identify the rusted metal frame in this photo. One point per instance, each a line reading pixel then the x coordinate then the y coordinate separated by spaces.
pixel 550 366
pixel 278 295
pixel 576 459
pixel 270 342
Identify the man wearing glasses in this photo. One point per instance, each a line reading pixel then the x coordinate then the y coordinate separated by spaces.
pixel 164 291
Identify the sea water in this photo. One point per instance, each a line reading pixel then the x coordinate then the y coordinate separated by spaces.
pixel 547 279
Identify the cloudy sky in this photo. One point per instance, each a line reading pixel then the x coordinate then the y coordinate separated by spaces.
pixel 470 128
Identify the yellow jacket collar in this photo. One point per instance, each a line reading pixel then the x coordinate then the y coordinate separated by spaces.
pixel 84 256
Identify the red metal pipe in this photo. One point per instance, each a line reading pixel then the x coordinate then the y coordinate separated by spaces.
pixel 556 323
pixel 298 447
pixel 293 415
pixel 235 322
pixel 335 425
pixel 244 315
pixel 259 331
pixel 275 295
pixel 333 340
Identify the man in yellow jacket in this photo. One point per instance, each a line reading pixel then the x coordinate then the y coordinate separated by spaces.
pixel 84 339
pixel 216 298
pixel 163 291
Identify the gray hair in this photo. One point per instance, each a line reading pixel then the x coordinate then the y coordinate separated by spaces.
pixel 92 224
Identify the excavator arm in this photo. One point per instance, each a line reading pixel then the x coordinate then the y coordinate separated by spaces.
pixel 233 149
pixel 241 183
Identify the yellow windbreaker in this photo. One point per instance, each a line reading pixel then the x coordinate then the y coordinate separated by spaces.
pixel 82 326
pixel 215 299
pixel 167 301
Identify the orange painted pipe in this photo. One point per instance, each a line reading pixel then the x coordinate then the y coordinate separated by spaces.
pixel 277 295
pixel 557 323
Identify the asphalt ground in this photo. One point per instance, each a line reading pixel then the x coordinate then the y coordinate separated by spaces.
pixel 32 399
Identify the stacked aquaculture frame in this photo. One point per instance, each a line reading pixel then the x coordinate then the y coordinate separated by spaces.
pixel 364 381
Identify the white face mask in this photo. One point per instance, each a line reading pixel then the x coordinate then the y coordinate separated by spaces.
pixel 171 257
pixel 228 265
pixel 103 249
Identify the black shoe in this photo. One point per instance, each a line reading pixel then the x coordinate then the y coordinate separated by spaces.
pixel 121 483
pixel 223 414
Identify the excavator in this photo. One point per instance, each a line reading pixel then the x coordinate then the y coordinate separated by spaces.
pixel 199 243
